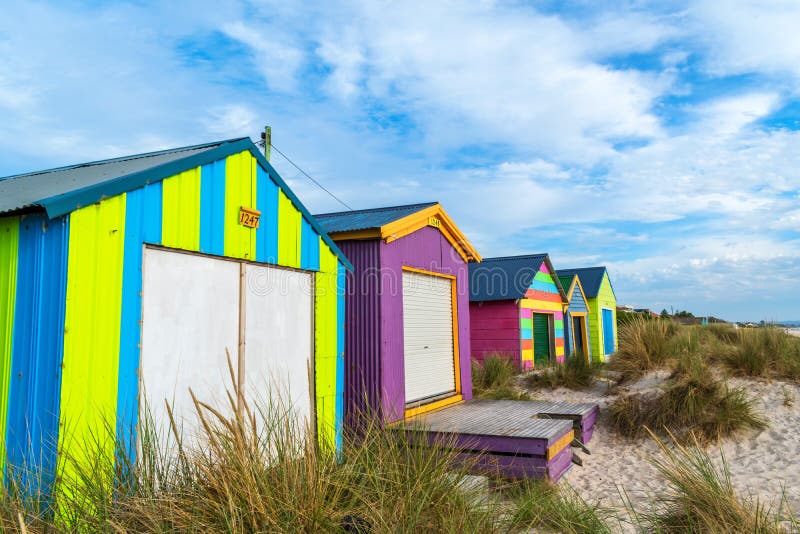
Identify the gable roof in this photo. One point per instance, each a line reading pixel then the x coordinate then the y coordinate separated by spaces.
pixel 507 277
pixel 571 282
pixel 63 190
pixel 371 219
pixel 591 278
pixel 392 223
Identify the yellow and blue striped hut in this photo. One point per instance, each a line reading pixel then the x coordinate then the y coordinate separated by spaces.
pixel 135 278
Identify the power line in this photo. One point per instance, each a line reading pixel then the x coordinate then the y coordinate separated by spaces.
pixel 337 199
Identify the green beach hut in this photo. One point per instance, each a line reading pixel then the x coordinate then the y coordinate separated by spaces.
pixel 602 314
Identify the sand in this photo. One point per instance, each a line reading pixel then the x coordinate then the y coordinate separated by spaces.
pixel 762 463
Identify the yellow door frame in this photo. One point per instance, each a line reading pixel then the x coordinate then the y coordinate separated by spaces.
pixel 457 397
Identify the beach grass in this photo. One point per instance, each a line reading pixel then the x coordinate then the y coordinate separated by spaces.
pixel 257 470
pixel 692 402
pixel 699 496
pixel 494 378
pixel 575 373
pixel 767 352
pixel 542 505
pixel 644 345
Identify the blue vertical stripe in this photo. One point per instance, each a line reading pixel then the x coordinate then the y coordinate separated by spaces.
pixel 309 247
pixel 212 208
pixel 37 353
pixel 341 280
pixel 267 204
pixel 142 225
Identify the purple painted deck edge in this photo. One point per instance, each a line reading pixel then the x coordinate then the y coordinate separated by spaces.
pixel 519 467
pixel 589 421
pixel 488 443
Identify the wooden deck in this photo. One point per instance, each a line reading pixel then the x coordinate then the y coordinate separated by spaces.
pixel 582 415
pixel 518 439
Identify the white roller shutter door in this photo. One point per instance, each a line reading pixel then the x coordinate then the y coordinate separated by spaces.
pixel 427 336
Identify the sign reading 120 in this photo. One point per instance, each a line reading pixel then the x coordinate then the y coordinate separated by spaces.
pixel 249 217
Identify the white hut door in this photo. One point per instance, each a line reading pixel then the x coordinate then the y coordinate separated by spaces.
pixel 190 317
pixel 191 309
pixel 279 340
pixel 428 336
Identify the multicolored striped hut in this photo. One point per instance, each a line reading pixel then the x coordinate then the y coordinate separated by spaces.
pixel 130 279
pixel 576 323
pixel 602 305
pixel 407 310
pixel 517 310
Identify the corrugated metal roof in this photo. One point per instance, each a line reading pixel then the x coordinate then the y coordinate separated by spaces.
pixel 503 278
pixel 566 280
pixel 348 221
pixel 65 189
pixel 590 277
pixel 30 189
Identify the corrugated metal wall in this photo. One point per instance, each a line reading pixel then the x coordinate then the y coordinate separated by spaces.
pixel 35 385
pixel 363 329
pixel 9 243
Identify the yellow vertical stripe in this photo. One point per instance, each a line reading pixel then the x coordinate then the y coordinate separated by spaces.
pixel 181 211
pixel 325 339
pixel 290 221
pixel 91 333
pixel 240 191
pixel 9 254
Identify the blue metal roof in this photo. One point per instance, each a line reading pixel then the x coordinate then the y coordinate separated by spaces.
pixel 348 221
pixel 65 189
pixel 504 278
pixel 590 277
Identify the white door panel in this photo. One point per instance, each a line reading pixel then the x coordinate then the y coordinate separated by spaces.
pixel 190 317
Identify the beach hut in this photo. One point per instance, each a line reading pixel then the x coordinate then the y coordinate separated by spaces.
pixel 517 310
pixel 576 321
pixel 407 309
pixel 131 278
pixel 602 309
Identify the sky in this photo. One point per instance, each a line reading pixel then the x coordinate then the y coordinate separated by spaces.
pixel 661 139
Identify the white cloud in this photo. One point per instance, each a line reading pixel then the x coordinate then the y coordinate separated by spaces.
pixel 231 120
pixel 277 60
pixel 750 36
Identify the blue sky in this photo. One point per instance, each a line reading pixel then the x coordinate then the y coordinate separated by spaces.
pixel 660 139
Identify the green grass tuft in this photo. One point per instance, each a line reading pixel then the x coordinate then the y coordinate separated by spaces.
pixel 643 345
pixel 700 497
pixel 763 352
pixel 693 402
pixel 574 373
pixel 494 378
pixel 541 505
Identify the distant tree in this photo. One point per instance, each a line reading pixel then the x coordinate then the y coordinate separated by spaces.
pixel 664 313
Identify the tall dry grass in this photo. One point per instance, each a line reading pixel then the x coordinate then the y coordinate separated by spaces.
pixel 761 352
pixel 644 345
pixel 693 401
pixel 700 497
pixel 494 378
pixel 575 373
pixel 541 505
pixel 257 470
